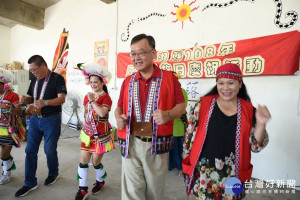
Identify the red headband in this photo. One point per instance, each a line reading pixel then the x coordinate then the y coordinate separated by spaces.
pixel 229 70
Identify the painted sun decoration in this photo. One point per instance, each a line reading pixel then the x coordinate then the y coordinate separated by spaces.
pixel 184 12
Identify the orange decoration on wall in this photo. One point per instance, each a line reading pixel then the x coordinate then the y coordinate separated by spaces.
pixel 184 12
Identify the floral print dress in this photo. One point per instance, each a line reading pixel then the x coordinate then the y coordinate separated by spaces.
pixel 217 160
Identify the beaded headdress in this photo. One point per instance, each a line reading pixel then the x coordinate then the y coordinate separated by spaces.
pixel 229 70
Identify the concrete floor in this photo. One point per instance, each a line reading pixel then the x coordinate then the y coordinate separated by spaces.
pixel 66 186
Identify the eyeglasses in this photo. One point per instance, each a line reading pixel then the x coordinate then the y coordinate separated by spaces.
pixel 139 54
pixel 32 70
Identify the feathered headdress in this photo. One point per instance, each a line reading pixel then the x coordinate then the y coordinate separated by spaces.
pixel 6 77
pixel 89 69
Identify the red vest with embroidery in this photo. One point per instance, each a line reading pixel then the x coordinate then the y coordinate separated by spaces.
pixel 242 160
pixel 164 99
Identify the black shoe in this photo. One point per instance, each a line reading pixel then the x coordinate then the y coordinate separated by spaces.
pixel 98 187
pixel 82 193
pixel 50 180
pixel 24 190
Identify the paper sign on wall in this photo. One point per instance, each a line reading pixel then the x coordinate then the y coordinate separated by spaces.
pixel 101 52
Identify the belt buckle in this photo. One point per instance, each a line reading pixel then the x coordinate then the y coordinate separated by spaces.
pixel 144 139
pixel 39 116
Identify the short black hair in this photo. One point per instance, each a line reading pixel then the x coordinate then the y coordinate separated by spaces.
pixel 139 37
pixel 37 60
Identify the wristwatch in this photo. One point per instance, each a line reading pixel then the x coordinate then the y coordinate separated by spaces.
pixel 46 103
pixel 170 115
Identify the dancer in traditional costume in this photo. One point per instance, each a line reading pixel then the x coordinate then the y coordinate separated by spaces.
pixel 11 129
pixel 96 135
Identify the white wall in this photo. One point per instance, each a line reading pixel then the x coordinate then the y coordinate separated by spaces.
pixel 87 21
pixel 91 20
pixel 4 45
pixel 243 20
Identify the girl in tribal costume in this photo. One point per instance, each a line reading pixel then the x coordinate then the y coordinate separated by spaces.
pixel 11 129
pixel 96 134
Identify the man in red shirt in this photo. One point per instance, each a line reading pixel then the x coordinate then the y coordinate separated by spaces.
pixel 149 101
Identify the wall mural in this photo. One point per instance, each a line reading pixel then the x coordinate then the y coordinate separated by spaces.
pixel 125 37
pixel 184 12
pixel 223 5
pixel 292 14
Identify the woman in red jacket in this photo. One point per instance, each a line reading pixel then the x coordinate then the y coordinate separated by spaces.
pixel 222 131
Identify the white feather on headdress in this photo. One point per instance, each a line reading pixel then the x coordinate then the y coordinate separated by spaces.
pixel 6 76
pixel 89 69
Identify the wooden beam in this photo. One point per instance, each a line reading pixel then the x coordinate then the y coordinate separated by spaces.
pixel 22 13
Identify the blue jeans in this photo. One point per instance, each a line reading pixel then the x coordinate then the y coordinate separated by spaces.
pixel 50 128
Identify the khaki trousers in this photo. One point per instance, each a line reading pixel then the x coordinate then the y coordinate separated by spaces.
pixel 143 174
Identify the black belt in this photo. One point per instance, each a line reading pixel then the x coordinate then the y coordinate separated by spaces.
pixel 47 115
pixel 144 139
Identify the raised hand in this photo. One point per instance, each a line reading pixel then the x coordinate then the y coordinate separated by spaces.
pixel 90 96
pixel 161 117
pixel 262 115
